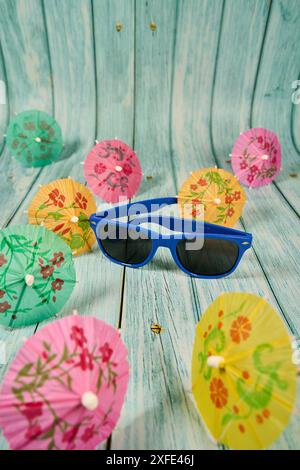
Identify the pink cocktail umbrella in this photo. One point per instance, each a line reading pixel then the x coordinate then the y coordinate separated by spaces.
pixel 112 170
pixel 256 157
pixel 66 387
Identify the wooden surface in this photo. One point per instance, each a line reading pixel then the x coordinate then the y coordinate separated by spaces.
pixel 179 95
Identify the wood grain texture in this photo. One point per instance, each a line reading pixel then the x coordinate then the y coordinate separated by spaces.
pixel 180 95
pixel 262 268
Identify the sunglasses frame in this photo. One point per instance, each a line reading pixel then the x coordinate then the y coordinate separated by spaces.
pixel 242 239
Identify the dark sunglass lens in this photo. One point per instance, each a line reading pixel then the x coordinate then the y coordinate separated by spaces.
pixel 215 258
pixel 126 246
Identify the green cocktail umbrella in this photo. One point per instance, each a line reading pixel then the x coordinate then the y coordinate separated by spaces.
pixel 37 275
pixel 34 138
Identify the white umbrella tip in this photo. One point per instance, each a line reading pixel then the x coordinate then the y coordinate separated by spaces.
pixel 90 401
pixel 29 280
pixel 75 312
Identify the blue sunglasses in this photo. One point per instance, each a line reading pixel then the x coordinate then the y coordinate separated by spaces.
pixel 200 249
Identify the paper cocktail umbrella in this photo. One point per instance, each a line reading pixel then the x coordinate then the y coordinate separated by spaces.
pixel 34 138
pixel 112 170
pixel 243 376
pixel 64 206
pixel 215 190
pixel 66 387
pixel 37 275
pixel 256 157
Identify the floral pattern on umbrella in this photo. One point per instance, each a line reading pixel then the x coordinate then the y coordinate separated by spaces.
pixel 36 275
pixel 34 138
pixel 256 157
pixel 215 191
pixel 64 206
pixel 242 373
pixel 112 170
pixel 66 386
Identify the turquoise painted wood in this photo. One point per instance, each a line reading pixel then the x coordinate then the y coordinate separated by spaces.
pixel 179 95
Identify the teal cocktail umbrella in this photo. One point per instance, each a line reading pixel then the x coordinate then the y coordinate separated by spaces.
pixel 34 138
pixel 37 275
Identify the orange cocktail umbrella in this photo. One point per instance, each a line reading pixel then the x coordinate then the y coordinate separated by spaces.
pixel 216 191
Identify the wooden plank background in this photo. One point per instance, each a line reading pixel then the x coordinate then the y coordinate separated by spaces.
pixel 179 95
